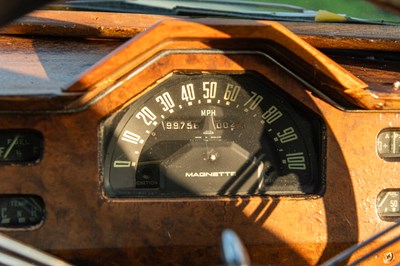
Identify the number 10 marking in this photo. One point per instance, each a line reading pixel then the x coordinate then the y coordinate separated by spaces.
pixel 131 137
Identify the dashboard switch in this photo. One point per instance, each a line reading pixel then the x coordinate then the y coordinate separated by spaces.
pixel 388 144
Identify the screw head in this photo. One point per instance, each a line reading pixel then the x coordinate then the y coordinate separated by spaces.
pixel 388 257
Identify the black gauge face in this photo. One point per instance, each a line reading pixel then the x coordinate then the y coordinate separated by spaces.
pixel 388 144
pixel 20 146
pixel 212 135
pixel 21 211
pixel 388 204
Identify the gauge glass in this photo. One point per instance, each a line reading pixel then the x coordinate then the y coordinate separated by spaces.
pixel 388 204
pixel 21 211
pixel 20 146
pixel 213 135
pixel 388 144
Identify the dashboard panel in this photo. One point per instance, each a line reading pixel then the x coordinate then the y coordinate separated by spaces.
pixel 86 224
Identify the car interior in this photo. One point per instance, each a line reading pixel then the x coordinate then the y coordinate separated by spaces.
pixel 198 133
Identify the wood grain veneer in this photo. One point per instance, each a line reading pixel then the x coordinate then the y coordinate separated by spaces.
pixel 83 226
pixel 204 34
pixel 57 69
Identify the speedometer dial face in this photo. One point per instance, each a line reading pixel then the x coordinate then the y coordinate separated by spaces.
pixel 213 135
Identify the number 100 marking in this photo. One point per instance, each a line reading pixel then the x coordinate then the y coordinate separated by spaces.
pixel 296 161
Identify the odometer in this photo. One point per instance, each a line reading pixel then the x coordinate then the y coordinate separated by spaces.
pixel 213 135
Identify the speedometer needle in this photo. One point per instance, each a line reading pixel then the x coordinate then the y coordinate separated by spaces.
pixel 10 147
pixel 209 125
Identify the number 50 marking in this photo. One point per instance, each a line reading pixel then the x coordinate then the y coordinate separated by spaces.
pixel 210 89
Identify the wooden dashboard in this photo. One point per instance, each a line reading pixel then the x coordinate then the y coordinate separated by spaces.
pixel 57 69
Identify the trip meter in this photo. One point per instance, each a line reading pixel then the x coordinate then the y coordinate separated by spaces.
pixel 213 135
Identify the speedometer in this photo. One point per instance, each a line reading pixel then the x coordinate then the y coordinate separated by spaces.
pixel 213 134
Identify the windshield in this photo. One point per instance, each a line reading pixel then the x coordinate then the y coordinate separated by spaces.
pixel 371 9
pixel 295 10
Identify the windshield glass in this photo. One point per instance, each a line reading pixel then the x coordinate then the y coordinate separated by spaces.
pixel 366 9
pixel 351 10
